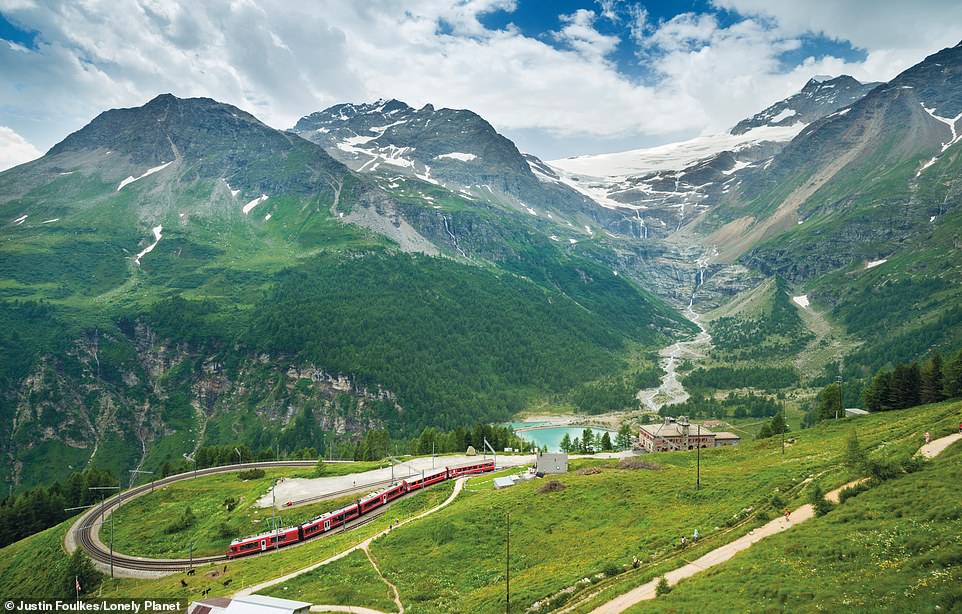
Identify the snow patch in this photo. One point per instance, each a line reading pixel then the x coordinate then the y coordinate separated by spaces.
pixel 783 114
pixel 530 210
pixel 738 166
pixel 150 171
pixel 875 263
pixel 956 137
pixel 931 219
pixel 20 220
pixel 572 241
pixel 254 203
pixel 57 219
pixel 457 155
pixel 553 238
pixel 156 230
pixel 267 217
pixel 801 301
pixel 673 156
pixel 232 191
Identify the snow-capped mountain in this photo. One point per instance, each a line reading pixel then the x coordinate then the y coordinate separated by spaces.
pixel 666 186
pixel 453 148
pixel 819 97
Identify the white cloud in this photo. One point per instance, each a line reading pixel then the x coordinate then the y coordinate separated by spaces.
pixel 580 34
pixel 14 149
pixel 281 60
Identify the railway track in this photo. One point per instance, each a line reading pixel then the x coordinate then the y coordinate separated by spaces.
pixel 83 532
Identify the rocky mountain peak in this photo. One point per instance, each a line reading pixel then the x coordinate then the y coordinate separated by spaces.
pixel 820 96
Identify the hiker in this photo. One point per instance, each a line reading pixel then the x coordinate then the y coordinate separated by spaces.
pixel 928 437
pixel 634 563
pixel 787 519
pixel 684 541
pixel 695 536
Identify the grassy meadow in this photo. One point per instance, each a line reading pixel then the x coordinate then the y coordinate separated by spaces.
pixel 880 551
pixel 600 521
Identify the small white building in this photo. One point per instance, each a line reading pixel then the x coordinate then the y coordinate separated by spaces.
pixel 548 463
pixel 251 604
pixel 262 604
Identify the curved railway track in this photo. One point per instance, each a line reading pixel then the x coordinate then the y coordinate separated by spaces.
pixel 83 532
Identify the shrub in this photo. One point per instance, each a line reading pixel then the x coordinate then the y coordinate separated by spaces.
pixel 589 471
pixel 851 491
pixel 251 474
pixel 612 569
pixel 662 588
pixel 816 496
pixel 185 521
pixel 225 530
pixel 777 502
pixel 230 503
pixel 763 516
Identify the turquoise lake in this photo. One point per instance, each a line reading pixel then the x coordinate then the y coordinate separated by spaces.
pixel 552 437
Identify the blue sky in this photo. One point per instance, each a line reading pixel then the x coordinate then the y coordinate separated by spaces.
pixel 560 78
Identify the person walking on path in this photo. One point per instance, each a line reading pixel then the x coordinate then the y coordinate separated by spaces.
pixel 684 541
pixel 787 512
pixel 928 437
pixel 695 536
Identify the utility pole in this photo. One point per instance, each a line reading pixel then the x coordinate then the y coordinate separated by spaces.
pixel 698 456
pixel 192 457
pixel 191 554
pixel 273 514
pixel 507 566
pixel 784 426
pixel 102 511
pixel 139 471
pixel 493 451
pixel 432 454
pixel 841 408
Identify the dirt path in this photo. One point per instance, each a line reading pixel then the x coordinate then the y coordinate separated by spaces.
pixel 397 596
pixel 726 552
pixel 364 545
pixel 935 447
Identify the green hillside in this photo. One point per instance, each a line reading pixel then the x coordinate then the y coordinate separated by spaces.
pixel 248 277
pixel 894 548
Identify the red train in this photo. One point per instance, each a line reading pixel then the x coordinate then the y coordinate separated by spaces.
pixel 331 520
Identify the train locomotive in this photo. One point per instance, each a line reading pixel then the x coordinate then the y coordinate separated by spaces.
pixel 332 520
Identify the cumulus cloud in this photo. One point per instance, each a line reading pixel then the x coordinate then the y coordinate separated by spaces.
pixel 14 149
pixel 281 60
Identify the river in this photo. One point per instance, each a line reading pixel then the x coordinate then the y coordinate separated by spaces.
pixel 670 391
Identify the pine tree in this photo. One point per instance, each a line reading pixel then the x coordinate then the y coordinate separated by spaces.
pixel 952 374
pixel 587 441
pixel 855 456
pixel 606 442
pixel 623 439
pixel 80 570
pixel 826 403
pixel 932 384
pixel 566 443
pixel 876 394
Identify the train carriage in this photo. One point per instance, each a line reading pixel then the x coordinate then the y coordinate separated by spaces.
pixel 330 520
pixel 437 475
pixel 265 541
pixel 476 467
pixel 384 497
